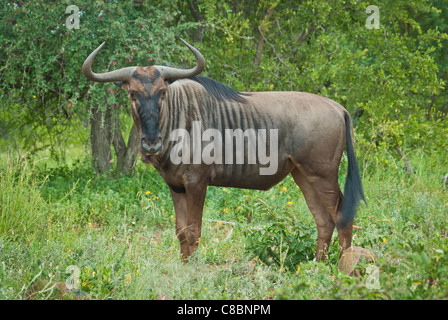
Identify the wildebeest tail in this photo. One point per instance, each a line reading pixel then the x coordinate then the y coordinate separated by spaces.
pixel 353 185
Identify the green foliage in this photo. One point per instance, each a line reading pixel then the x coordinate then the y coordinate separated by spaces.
pixel 125 244
pixel 43 89
pixel 120 233
pixel 99 200
pixel 285 242
pixel 388 78
pixel 22 207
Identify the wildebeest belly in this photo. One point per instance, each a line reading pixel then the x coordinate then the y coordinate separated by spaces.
pixel 247 176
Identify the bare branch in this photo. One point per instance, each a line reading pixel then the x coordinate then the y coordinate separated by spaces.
pixel 405 160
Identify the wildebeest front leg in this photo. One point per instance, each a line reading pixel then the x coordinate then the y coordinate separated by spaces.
pixel 196 190
pixel 180 207
pixel 189 204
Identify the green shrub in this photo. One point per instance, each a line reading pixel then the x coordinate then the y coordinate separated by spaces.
pixel 22 208
pixel 285 242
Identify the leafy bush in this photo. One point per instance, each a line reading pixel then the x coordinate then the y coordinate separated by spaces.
pixel 285 242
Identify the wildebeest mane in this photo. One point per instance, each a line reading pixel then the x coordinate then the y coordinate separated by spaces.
pixel 220 91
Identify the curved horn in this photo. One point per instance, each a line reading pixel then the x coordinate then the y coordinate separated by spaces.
pixel 173 73
pixel 118 75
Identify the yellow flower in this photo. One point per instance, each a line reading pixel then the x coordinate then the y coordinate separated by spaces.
pixel 90 224
pixel 34 97
pixel 84 284
pixel 225 210
pixel 384 240
pixel 69 250
pixel 284 189
pixel 172 216
pixel 290 202
pixel 157 198
pixel 239 208
pixel 148 192
pixel 205 288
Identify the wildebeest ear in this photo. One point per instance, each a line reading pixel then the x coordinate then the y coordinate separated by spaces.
pixel 122 84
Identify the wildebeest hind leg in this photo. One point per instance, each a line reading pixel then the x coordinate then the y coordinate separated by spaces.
pixel 324 221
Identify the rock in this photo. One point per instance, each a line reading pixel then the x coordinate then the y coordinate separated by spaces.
pixel 352 257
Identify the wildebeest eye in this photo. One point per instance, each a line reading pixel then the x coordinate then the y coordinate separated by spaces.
pixel 133 95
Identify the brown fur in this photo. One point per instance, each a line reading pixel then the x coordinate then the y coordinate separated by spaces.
pixel 312 140
pixel 312 132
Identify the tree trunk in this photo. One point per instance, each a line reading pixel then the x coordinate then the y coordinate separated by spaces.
pixel 105 132
pixel 405 160
pixel 257 57
pixel 126 154
pixel 198 34
pixel 100 140
pixel 262 29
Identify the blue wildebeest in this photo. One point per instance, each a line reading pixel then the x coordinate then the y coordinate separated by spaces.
pixel 311 135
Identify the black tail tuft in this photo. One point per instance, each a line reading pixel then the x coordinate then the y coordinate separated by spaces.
pixel 353 185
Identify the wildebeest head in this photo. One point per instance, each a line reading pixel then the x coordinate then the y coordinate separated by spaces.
pixel 146 89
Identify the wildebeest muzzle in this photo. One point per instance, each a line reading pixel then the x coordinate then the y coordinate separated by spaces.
pixel 150 148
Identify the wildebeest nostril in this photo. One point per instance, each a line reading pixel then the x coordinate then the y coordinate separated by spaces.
pixel 145 145
pixel 151 148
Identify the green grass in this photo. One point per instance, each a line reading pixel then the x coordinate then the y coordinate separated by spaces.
pixel 119 233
